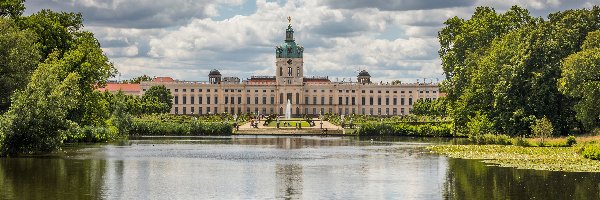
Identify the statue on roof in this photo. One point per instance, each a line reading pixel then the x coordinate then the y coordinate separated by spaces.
pixel 289 19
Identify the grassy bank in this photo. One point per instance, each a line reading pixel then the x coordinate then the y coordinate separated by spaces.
pixel 539 158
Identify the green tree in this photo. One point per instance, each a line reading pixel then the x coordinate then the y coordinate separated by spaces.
pixel 479 125
pixel 581 80
pixel 56 31
pixel 430 107
pixel 60 100
pixel 19 56
pixel 157 100
pixel 463 43
pixel 461 40
pixel 12 8
pixel 542 128
pixel 87 60
pixel 490 73
pixel 121 112
pixel 139 79
pixel 37 119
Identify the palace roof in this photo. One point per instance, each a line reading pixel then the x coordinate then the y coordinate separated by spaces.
pixel 163 79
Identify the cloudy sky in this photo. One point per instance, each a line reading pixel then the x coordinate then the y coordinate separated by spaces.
pixel 185 39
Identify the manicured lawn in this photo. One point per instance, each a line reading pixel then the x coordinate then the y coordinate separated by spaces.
pixel 292 124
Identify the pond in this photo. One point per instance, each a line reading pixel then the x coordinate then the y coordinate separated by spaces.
pixel 260 167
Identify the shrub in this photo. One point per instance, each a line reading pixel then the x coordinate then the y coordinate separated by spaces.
pixel 91 133
pixel 404 129
pixel 591 151
pixel 571 141
pixel 490 139
pixel 479 124
pixel 184 127
pixel 521 141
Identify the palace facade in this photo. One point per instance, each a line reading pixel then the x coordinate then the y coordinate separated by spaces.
pixel 307 95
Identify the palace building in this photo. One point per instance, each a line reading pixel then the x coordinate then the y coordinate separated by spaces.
pixel 307 95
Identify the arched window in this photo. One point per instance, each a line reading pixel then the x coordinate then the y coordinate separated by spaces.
pixel 298 71
pixel 280 71
pixel 289 71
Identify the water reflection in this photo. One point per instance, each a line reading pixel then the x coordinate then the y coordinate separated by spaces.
pixel 277 167
pixel 468 179
pixel 51 178
pixel 289 181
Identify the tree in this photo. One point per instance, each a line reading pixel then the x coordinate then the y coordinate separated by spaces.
pixel 139 79
pixel 87 59
pixel 121 112
pixel 430 107
pixel 60 100
pixel 56 31
pixel 542 128
pixel 461 40
pixel 12 8
pixel 463 43
pixel 19 56
pixel 581 80
pixel 479 125
pixel 157 100
pixel 492 60
pixel 37 119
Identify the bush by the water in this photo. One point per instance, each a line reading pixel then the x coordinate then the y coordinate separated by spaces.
pixel 490 139
pixel 523 142
pixel 571 141
pixel 92 134
pixel 158 127
pixel 402 129
pixel 591 151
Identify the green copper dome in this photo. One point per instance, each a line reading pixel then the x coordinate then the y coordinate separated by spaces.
pixel 289 49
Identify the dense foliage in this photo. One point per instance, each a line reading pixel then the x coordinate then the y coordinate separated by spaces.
pixel 506 67
pixel 55 100
pixel 581 80
pixel 178 125
pixel 591 151
pixel 430 107
pixel 404 129
pixel 361 119
pixel 157 100
pixel 138 79
pixel 12 8
pixel 489 138
pixel 19 56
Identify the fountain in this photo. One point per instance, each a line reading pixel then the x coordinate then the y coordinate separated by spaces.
pixel 288 110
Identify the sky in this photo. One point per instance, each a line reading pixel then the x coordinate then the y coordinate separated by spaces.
pixel 185 39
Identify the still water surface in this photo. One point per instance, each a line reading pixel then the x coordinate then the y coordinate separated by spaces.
pixel 276 168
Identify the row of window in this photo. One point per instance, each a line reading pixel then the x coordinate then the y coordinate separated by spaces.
pixel 348 100
pixel 345 111
pixel 378 91
pixel 340 91
pixel 216 90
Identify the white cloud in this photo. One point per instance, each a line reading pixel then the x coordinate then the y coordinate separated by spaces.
pixel 185 40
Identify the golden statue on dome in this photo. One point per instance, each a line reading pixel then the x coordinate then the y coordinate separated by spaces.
pixel 290 20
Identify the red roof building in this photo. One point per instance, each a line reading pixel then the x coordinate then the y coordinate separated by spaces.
pixel 127 88
pixel 163 79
